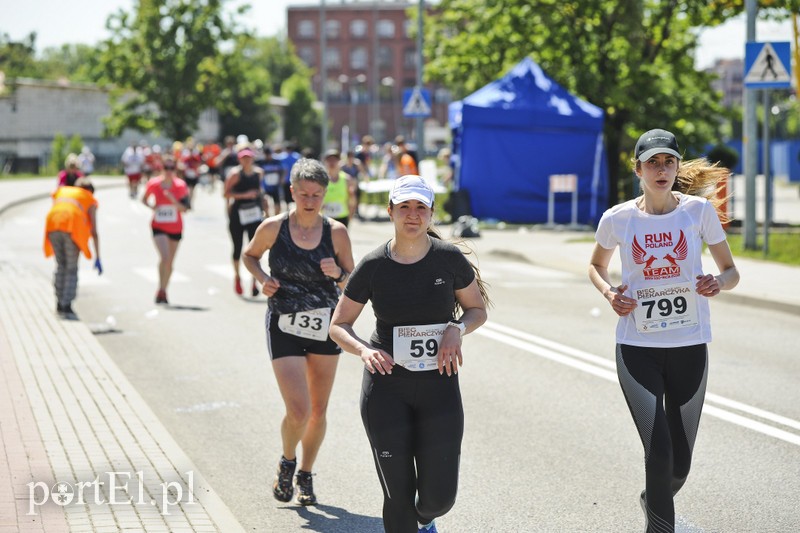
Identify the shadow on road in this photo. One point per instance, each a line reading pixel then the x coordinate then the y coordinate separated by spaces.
pixel 330 519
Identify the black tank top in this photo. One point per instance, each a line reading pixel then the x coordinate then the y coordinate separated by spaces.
pixel 247 182
pixel 303 285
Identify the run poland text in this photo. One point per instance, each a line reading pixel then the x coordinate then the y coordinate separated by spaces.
pixel 112 488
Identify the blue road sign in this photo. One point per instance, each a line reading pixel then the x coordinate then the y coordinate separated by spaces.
pixel 416 103
pixel 768 65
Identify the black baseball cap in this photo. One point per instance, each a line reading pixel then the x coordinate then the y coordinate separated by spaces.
pixel 656 142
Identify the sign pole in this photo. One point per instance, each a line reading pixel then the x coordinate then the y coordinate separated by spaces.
pixel 767 173
pixel 420 121
pixel 750 145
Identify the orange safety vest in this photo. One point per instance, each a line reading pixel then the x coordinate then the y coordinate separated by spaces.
pixel 70 214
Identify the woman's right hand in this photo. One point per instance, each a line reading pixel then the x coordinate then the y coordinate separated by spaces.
pixel 621 304
pixel 270 286
pixel 376 360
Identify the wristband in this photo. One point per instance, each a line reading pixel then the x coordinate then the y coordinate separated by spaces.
pixel 342 276
pixel 458 325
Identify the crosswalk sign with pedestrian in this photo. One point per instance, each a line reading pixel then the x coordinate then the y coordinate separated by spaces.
pixel 416 103
pixel 768 65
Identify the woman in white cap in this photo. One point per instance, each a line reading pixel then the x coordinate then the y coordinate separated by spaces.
pixel 310 257
pixel 662 302
pixel 426 296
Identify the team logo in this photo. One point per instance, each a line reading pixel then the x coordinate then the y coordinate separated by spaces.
pixel 656 241
pixel 439 281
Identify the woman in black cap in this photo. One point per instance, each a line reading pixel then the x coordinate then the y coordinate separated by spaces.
pixel 662 302
pixel 410 400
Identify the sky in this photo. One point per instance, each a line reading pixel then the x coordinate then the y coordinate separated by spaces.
pixel 58 22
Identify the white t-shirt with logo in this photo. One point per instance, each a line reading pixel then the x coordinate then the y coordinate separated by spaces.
pixel 661 258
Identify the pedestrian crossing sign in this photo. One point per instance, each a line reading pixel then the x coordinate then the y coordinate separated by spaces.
pixel 416 103
pixel 768 65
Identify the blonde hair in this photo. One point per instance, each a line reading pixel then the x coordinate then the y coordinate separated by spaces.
pixel 698 177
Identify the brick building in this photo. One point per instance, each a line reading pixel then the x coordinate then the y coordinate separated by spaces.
pixel 370 59
pixel 730 80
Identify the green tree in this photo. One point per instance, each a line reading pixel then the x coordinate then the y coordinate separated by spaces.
pixel 75 62
pixel 302 121
pixel 75 144
pixel 247 88
pixel 17 58
pixel 165 63
pixel 633 59
pixel 58 152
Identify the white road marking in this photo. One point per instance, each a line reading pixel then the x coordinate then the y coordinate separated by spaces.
pixel 606 369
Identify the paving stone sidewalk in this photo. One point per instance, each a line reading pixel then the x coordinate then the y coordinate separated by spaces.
pixel 80 451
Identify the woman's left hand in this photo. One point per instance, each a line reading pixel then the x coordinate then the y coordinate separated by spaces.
pixel 450 357
pixel 330 268
pixel 707 285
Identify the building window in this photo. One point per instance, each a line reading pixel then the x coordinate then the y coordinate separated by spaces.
pixel 359 58
pixel 332 28
pixel 306 53
pixel 385 57
pixel 333 58
pixel 385 29
pixel 410 58
pixel 358 29
pixel 306 29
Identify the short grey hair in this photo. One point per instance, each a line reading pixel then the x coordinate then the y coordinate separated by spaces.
pixel 309 170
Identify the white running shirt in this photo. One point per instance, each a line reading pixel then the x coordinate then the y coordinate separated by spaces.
pixel 661 257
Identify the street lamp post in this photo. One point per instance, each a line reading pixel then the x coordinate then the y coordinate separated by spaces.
pixel 344 79
pixel 388 82
pixel 355 99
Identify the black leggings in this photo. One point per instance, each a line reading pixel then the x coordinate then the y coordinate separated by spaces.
pixel 665 389
pixel 415 424
pixel 237 233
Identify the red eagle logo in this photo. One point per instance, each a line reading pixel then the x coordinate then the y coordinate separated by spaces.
pixel 640 254
pixel 681 250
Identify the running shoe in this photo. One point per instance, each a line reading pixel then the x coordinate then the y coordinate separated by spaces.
pixel 237 285
pixel 161 297
pixel 305 488
pixel 430 528
pixel 255 291
pixel 282 487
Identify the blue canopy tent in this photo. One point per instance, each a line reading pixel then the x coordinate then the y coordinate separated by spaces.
pixel 510 136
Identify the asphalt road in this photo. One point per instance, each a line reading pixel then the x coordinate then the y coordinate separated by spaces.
pixel 549 443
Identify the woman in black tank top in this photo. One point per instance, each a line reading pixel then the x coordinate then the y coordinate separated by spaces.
pixel 310 258
pixel 245 212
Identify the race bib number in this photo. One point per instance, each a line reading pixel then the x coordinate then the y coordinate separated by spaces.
pixel 272 179
pixel 665 307
pixel 333 210
pixel 249 215
pixel 416 348
pixel 307 324
pixel 166 213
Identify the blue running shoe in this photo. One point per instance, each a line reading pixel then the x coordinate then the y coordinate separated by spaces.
pixel 430 528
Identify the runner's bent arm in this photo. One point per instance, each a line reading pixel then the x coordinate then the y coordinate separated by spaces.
pixel 728 277
pixel 344 252
pixel 262 241
pixel 473 316
pixel 598 274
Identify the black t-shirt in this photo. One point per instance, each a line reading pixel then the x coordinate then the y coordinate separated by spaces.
pixel 405 295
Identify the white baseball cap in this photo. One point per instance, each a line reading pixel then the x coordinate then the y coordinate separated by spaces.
pixel 411 187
